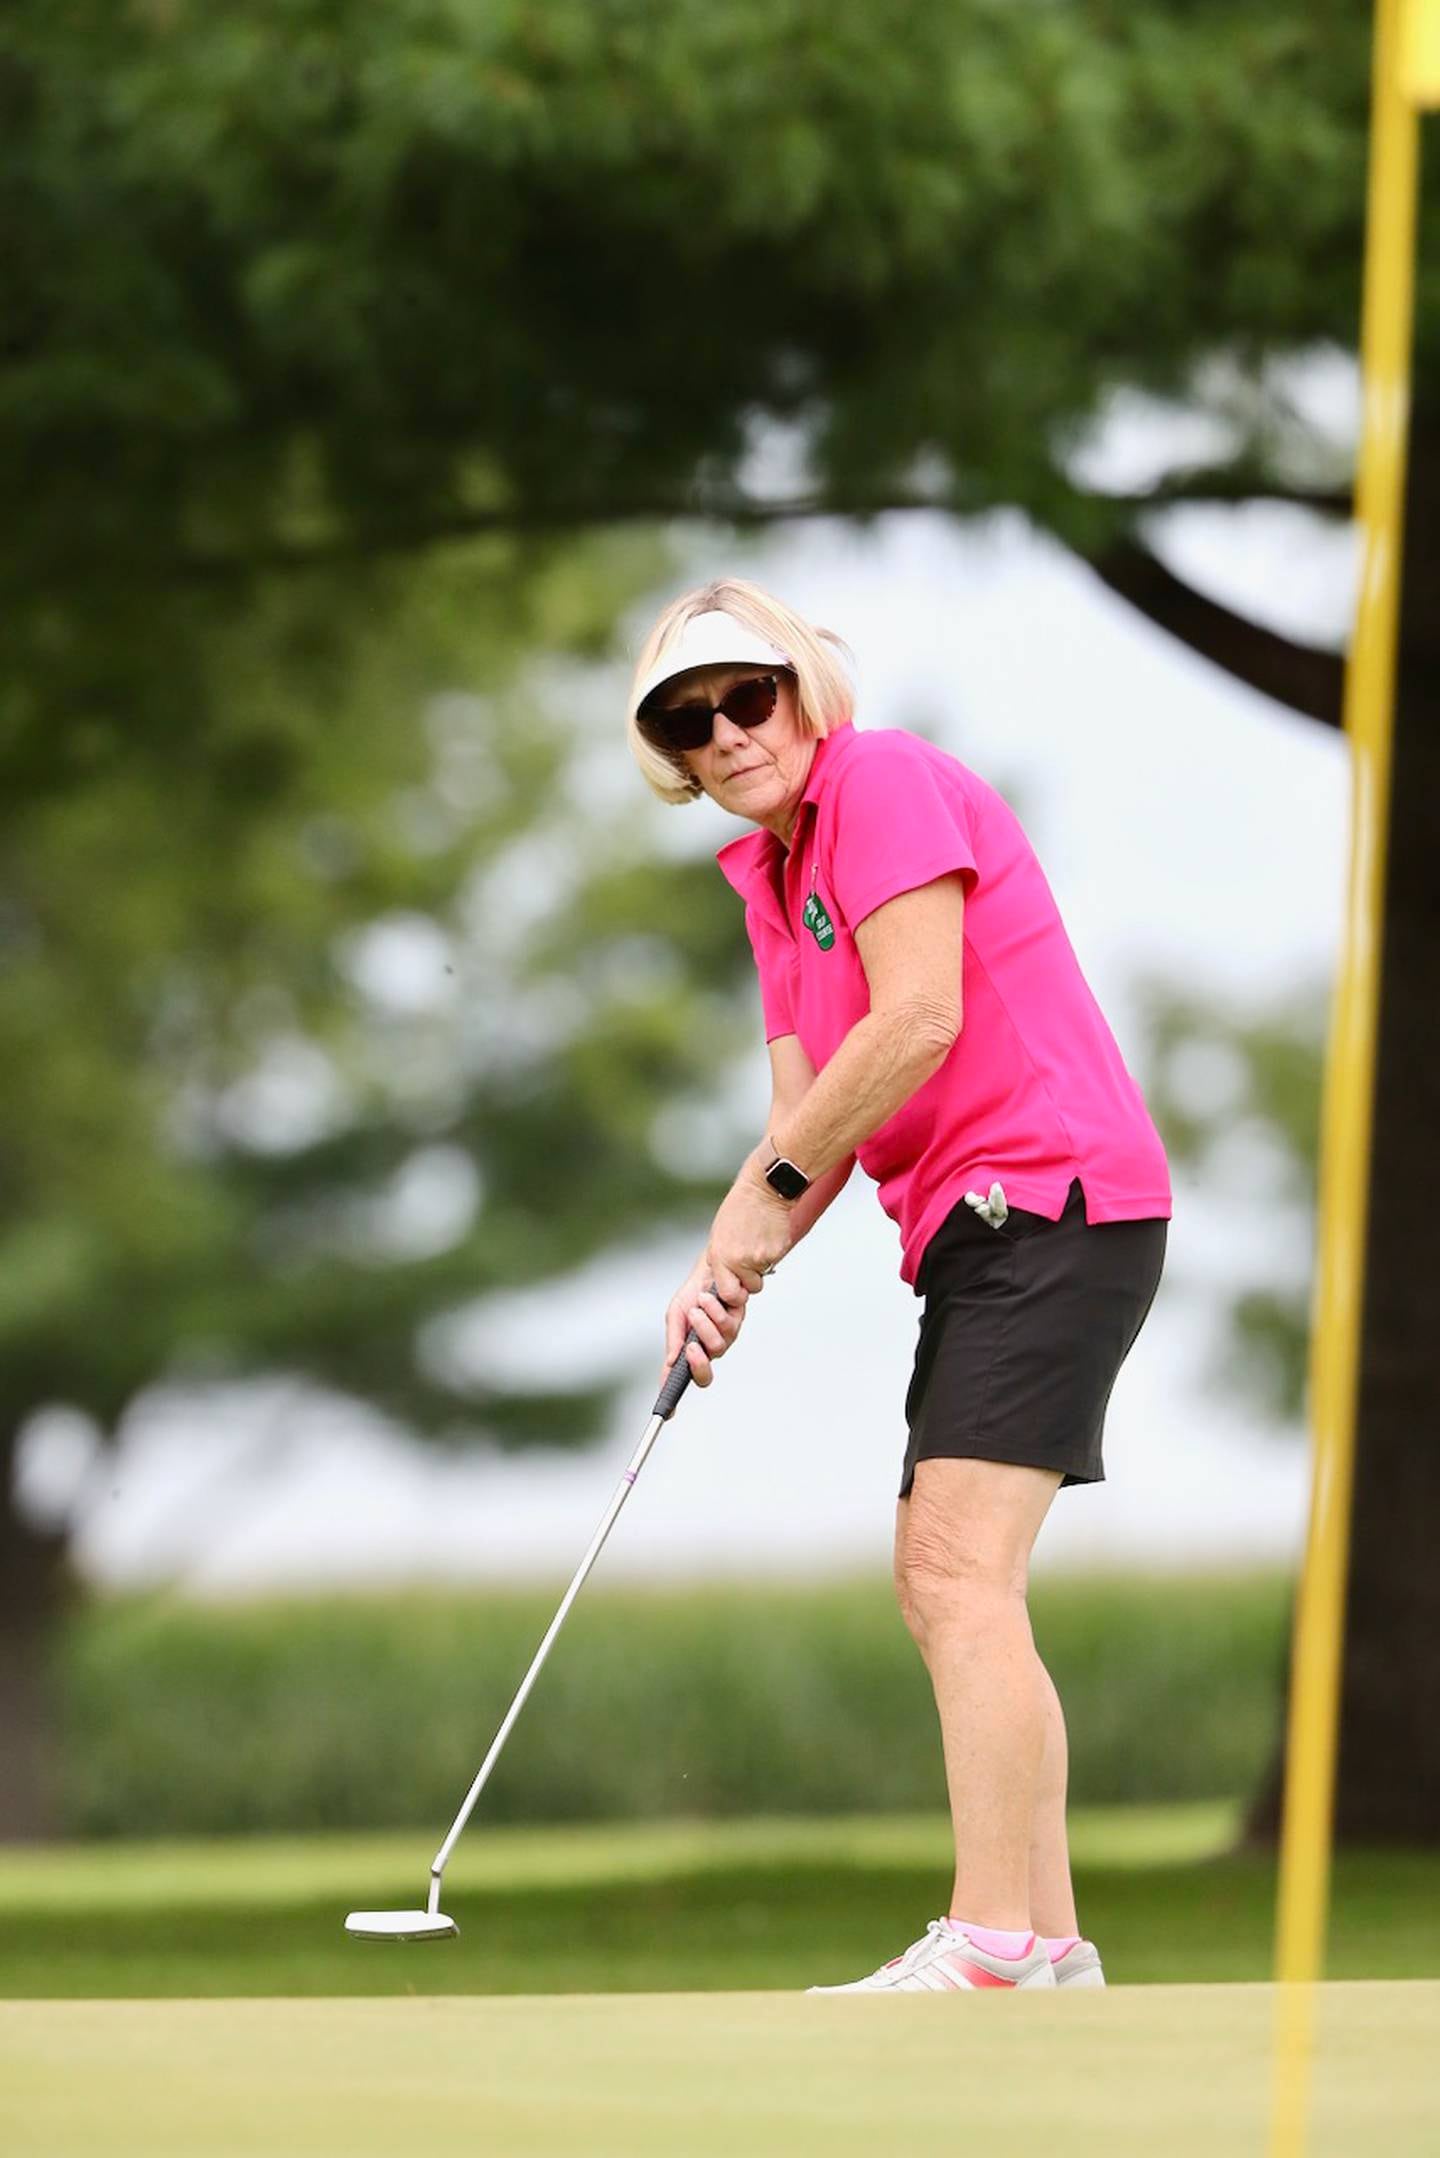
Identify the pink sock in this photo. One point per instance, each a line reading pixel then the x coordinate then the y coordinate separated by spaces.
pixel 992 1940
pixel 1061 1944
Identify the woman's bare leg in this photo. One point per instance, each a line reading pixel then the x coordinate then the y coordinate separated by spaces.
pixel 1052 1897
pixel 963 1542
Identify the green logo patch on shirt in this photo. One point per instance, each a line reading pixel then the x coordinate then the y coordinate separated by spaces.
pixel 818 922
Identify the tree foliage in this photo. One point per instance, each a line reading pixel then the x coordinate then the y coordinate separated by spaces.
pixel 216 1105
pixel 325 275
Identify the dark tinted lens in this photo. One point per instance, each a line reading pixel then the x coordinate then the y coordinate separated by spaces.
pixel 748 703
pixel 684 726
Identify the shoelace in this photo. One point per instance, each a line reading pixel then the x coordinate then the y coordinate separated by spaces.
pixel 907 1960
pixel 992 1209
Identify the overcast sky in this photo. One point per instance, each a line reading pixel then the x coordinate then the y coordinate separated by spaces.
pixel 1185 825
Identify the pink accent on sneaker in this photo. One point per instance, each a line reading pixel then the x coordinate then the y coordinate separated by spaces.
pixel 1062 1944
pixel 993 1940
pixel 979 1976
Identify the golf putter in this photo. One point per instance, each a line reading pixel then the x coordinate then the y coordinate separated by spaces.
pixel 431 1924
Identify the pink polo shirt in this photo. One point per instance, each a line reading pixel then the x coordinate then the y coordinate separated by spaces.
pixel 1035 1091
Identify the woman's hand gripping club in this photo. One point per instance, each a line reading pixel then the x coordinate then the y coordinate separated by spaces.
pixel 702 1323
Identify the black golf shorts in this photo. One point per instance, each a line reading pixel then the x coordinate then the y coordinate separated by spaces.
pixel 1024 1330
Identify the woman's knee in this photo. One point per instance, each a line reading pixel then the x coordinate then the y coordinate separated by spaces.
pixel 949 1578
pixel 962 1549
pixel 972 1599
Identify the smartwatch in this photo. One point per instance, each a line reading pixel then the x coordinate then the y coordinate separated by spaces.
pixel 783 1176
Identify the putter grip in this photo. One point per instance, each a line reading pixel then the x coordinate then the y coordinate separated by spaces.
pixel 680 1374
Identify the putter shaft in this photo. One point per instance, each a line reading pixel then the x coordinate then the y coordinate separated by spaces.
pixel 622 1493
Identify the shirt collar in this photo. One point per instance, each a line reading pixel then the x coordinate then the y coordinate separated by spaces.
pixel 748 863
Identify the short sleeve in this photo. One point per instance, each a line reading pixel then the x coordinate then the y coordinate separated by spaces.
pixel 897 823
pixel 772 965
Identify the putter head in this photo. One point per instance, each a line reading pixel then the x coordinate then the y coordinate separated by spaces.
pixel 400 1925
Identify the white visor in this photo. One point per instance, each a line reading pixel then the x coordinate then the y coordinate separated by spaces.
pixel 715 639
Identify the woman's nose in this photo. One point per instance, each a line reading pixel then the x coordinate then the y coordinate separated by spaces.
pixel 727 734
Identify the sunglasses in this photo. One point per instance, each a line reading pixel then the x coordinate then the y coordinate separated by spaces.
pixel 690 726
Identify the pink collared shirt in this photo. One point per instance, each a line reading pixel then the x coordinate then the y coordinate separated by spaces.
pixel 1034 1091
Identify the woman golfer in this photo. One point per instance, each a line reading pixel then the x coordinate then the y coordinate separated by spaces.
pixel 926 1015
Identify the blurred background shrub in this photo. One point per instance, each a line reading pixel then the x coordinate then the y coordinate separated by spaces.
pixel 373 1711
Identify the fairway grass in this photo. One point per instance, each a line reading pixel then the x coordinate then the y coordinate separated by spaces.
pixel 246 1871
pixel 683 1906
pixel 1182 2070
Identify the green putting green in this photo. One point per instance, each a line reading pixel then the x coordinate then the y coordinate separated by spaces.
pixel 1133 2070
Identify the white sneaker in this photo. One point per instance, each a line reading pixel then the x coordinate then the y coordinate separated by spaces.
pixel 1080 1966
pixel 947 1961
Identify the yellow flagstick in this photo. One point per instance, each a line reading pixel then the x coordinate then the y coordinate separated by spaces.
pixel 1406 75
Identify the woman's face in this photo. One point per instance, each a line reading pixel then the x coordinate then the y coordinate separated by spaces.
pixel 756 772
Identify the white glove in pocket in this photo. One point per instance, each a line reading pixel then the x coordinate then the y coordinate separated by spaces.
pixel 992 1209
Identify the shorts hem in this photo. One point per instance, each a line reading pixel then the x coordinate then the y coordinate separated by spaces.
pixel 1085 1472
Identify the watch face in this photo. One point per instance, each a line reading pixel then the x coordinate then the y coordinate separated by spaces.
pixel 789 1181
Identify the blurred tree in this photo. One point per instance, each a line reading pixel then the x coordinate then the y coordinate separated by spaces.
pixel 320 284
pixel 1238 1097
pixel 351 1015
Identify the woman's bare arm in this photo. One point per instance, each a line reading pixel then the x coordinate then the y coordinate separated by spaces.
pixel 911 948
pixel 791 1077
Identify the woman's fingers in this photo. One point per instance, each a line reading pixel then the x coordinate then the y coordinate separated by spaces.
pixel 715 1329
pixel 677 1326
pixel 676 1319
pixel 715 1325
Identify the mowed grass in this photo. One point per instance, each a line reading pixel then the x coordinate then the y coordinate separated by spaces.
pixel 1184 2070
pixel 759 1905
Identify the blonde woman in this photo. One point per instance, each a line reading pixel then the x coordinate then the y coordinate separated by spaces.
pixel 926 1015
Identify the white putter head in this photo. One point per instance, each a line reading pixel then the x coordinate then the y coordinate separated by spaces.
pixel 400 1925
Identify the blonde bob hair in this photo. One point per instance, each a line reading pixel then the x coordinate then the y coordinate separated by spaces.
pixel 824 691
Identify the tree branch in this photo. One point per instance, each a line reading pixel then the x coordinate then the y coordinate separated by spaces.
pixel 734 509
pixel 1230 484
pixel 1227 484
pixel 1308 680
